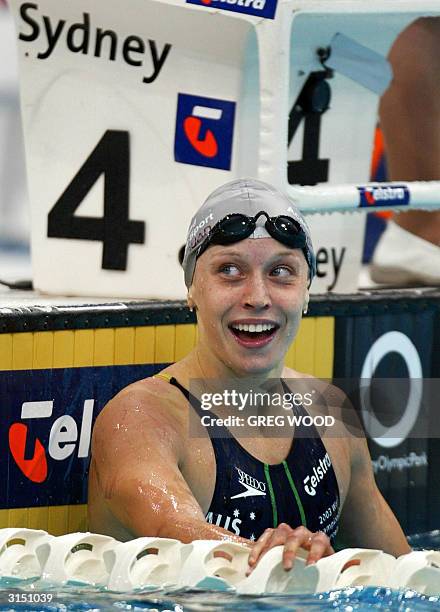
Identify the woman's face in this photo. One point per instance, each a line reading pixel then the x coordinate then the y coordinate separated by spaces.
pixel 249 297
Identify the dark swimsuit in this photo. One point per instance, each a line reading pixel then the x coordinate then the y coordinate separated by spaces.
pixel 250 495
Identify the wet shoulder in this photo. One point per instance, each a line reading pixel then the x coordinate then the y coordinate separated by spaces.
pixel 151 399
pixel 324 398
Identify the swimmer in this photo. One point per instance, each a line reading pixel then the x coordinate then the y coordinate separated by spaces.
pixel 248 265
pixel 408 251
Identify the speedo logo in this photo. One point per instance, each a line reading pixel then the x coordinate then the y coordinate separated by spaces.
pixel 252 485
pixel 384 195
pixel 63 438
pixel 260 8
pixel 311 482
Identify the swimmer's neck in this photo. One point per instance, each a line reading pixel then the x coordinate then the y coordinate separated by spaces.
pixel 205 364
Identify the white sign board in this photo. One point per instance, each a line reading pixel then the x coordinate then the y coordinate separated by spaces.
pixel 132 116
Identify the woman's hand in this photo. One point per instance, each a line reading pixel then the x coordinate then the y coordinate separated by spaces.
pixel 317 543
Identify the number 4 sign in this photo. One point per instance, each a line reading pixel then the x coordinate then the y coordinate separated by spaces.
pixel 110 158
pixel 118 157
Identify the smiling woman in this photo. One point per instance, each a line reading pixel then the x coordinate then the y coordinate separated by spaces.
pixel 246 290
pixel 248 264
pixel 249 295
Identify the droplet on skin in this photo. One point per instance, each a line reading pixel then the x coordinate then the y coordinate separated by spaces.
pixel 174 503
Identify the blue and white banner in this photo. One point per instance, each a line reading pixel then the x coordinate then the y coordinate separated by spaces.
pixel 47 419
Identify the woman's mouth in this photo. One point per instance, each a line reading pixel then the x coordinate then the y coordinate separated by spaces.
pixel 253 335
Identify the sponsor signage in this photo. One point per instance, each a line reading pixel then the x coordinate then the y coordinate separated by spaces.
pixel 383 195
pixel 47 418
pixel 386 358
pixel 258 8
pixel 311 482
pixel 204 131
pixel 252 485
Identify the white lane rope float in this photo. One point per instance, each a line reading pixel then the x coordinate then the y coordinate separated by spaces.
pixel 367 197
pixel 151 563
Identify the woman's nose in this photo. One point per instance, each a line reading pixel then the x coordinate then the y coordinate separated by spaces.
pixel 256 294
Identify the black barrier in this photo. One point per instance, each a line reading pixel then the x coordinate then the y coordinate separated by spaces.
pixel 44 317
pixel 402 346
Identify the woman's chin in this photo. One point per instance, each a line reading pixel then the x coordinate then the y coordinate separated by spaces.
pixel 255 367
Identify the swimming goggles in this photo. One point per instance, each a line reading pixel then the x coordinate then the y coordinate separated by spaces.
pixel 236 226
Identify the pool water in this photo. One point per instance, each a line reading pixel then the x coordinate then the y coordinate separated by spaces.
pixel 27 595
pixel 71 599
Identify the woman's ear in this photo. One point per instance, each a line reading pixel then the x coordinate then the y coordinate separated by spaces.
pixel 190 301
pixel 306 302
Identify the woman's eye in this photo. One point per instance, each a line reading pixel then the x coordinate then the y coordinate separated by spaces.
pixel 282 271
pixel 229 270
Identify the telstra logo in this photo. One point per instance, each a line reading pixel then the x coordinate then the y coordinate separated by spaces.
pixel 259 8
pixel 29 452
pixel 204 131
pixel 384 195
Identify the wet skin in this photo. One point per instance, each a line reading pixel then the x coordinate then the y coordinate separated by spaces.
pixel 150 477
pixel 253 281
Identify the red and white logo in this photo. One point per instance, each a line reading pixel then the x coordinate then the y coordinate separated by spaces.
pixel 63 438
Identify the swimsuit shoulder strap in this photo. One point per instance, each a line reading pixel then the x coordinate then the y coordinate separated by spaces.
pixel 189 396
pixel 215 431
pixel 164 376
